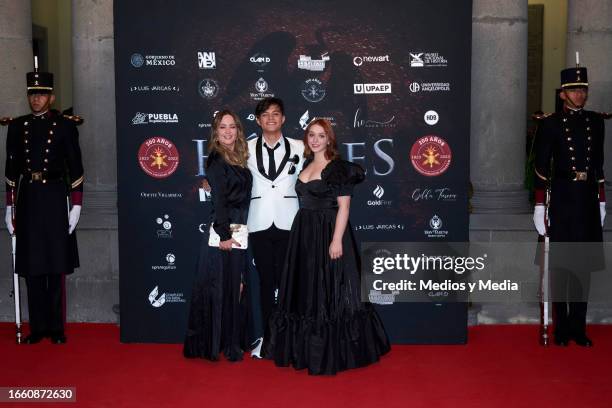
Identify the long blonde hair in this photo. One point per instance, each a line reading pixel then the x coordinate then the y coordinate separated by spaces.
pixel 240 154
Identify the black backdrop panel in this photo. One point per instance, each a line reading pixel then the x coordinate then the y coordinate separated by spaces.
pixel 393 77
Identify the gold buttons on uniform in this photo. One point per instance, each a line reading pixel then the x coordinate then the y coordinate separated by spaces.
pixel 567 129
pixel 569 139
pixel 573 158
pixel 565 119
pixel 574 168
pixel 50 132
pixel 571 149
pixel 589 138
pixel 48 140
pixel 46 150
pixel 46 161
pixel 27 160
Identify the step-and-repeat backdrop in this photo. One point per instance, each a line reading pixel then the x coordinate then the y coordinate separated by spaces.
pixel 392 77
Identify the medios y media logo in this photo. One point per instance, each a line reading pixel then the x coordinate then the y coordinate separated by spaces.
pixel 158 157
pixel 430 155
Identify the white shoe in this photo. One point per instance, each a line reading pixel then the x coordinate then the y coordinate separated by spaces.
pixel 256 352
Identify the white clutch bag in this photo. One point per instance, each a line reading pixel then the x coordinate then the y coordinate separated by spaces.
pixel 240 233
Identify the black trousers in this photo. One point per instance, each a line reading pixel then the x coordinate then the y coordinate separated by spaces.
pixel 570 292
pixel 45 304
pixel 269 251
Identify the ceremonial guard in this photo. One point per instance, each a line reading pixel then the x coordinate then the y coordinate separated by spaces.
pixel 569 157
pixel 43 168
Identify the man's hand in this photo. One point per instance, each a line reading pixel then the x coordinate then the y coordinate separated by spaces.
pixel 538 219
pixel 206 186
pixel 73 218
pixel 8 219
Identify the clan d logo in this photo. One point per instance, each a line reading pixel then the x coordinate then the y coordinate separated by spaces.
pixel 430 156
pixel 208 88
pixel 158 157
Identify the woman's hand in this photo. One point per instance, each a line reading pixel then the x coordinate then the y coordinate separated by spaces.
pixel 335 249
pixel 227 245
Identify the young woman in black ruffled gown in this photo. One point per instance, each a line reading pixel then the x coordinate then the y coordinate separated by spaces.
pixel 217 313
pixel 321 323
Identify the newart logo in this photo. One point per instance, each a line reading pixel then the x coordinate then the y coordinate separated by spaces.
pixel 379 192
pixel 138 60
pixel 146 118
pixel 436 231
pixel 207 60
pixel 383 88
pixel 307 63
pixel 427 59
pixel 359 60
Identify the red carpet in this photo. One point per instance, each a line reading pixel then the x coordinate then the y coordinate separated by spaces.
pixel 502 366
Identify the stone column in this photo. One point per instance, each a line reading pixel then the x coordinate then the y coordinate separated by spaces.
pixel 589 31
pixel 94 289
pixel 499 99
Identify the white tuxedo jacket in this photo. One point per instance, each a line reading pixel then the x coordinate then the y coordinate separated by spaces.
pixel 273 200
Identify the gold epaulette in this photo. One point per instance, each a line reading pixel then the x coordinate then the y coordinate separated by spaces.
pixel 75 118
pixel 540 116
pixel 5 121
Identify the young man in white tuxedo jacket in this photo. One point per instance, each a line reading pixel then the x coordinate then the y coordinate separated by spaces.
pixel 275 162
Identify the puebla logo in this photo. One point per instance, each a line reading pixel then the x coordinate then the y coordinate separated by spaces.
pixel 158 157
pixel 430 156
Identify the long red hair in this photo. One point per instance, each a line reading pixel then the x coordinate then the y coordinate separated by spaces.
pixel 331 151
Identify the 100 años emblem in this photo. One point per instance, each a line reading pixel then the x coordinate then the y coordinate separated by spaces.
pixel 158 157
pixel 208 88
pixel 430 156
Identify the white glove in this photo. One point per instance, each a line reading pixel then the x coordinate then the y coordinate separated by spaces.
pixel 602 212
pixel 73 218
pixel 9 220
pixel 538 219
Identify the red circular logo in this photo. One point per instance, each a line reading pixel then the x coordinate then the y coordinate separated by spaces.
pixel 430 155
pixel 158 157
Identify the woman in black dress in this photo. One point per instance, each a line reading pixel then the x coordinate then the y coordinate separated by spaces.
pixel 217 312
pixel 320 323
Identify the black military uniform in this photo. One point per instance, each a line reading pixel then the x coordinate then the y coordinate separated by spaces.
pixel 569 148
pixel 43 164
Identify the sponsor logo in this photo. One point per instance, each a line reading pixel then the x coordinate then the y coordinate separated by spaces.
pixel 430 155
pixel 436 230
pixel 260 60
pixel 160 195
pixel 207 60
pixel 251 117
pixel 305 119
pixel 378 193
pixel 379 227
pixel 261 90
pixel 360 60
pixel 313 90
pixel 379 298
pixel 146 118
pixel 138 60
pixel 382 88
pixel 154 88
pixel 164 226
pixel 429 87
pixel 168 266
pixel 431 117
pixel 358 122
pixel 158 300
pixel 158 157
pixel 435 194
pixel 203 228
pixel 307 63
pixel 208 88
pixel 427 59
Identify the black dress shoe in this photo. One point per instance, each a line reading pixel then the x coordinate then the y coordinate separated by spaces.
pixel 33 338
pixel 583 341
pixel 561 341
pixel 58 338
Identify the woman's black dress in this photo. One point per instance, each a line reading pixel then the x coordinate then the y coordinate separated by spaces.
pixel 217 313
pixel 321 323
